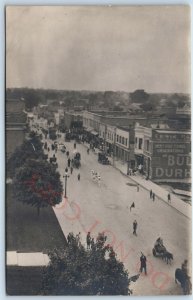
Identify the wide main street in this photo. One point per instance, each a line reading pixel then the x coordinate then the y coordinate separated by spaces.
pixel 106 207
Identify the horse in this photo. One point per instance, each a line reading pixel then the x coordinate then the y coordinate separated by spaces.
pixel 167 256
pixel 184 280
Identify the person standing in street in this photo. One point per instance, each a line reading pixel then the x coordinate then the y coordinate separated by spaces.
pixel 143 263
pixel 78 238
pixel 69 161
pixel 135 227
pixel 153 196
pixel 71 169
pixel 169 198
pixel 78 176
pixel 150 194
pixel 132 206
pixel 88 240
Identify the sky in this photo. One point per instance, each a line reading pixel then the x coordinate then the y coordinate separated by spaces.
pixel 99 48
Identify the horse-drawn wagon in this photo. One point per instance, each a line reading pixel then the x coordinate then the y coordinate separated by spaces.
pixel 159 250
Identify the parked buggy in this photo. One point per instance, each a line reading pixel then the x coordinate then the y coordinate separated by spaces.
pixel 76 160
pixel 68 137
pixel 103 159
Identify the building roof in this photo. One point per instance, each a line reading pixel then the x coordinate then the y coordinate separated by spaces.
pixel 173 131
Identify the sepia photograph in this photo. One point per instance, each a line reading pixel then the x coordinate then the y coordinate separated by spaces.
pixel 98 150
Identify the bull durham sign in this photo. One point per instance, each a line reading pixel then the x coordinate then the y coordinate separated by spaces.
pixel 171 158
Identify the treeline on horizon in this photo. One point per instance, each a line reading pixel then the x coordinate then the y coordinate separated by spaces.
pixel 105 98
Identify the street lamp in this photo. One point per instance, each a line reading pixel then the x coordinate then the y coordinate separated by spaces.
pixel 65 176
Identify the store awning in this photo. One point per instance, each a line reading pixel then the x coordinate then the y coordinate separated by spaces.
pixel 88 129
pixel 94 132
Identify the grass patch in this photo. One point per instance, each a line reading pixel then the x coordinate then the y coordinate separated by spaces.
pixel 26 232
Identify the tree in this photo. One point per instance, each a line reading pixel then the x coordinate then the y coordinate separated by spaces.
pixel 32 98
pixel 38 184
pixel 30 149
pixel 139 96
pixel 177 100
pixel 77 271
pixel 148 106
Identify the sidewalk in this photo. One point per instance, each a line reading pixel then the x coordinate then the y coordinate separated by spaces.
pixel 160 193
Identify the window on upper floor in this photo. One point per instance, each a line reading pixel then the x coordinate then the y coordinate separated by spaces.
pixel 147 145
pixel 117 138
pixel 125 142
pixel 140 143
pixel 135 142
pixel 120 139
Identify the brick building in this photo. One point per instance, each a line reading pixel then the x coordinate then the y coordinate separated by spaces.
pixel 16 120
pixel 165 154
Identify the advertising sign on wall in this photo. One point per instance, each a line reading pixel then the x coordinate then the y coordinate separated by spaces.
pixel 171 157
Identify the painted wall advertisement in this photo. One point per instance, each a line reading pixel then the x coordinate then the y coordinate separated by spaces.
pixel 171 157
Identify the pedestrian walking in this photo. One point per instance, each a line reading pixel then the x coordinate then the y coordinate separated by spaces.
pixel 88 240
pixel 135 227
pixel 132 206
pixel 169 198
pixel 67 153
pixel 150 194
pixel 69 161
pixel 138 188
pixel 99 180
pixel 71 169
pixel 88 151
pixel 74 145
pixel 143 263
pixel 66 170
pixel 48 149
pixel 92 243
pixel 78 176
pixel 69 237
pixel 153 197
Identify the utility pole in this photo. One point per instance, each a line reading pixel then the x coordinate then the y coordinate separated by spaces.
pixel 114 142
pixel 65 186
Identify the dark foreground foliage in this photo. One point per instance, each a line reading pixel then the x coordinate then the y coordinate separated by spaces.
pixel 79 271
